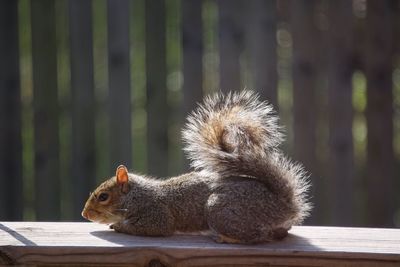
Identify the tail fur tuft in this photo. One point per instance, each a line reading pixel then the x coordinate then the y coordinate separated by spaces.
pixel 227 126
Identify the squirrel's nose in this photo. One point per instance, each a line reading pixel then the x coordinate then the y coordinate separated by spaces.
pixel 85 214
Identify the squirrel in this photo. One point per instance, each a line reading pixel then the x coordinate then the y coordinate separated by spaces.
pixel 242 190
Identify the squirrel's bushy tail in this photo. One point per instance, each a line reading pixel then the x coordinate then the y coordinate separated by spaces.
pixel 238 135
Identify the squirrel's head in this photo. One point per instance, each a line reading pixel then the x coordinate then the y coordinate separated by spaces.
pixel 105 203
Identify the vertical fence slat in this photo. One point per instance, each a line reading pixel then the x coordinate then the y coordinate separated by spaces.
pixel 157 107
pixel 396 118
pixel 261 42
pixel 231 38
pixel 379 113
pixel 341 112
pixel 305 72
pixel 395 6
pixel 45 101
pixel 192 39
pixel 11 193
pixel 119 83
pixel 192 46
pixel 82 90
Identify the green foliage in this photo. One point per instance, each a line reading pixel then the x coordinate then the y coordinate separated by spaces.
pixel 359 91
pixel 359 122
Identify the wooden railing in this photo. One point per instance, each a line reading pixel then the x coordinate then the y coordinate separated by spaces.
pixel 46 243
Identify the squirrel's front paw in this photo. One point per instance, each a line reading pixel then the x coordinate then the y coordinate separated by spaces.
pixel 116 226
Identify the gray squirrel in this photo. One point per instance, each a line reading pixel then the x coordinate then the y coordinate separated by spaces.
pixel 243 189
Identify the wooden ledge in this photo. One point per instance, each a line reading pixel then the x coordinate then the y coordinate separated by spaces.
pixel 40 243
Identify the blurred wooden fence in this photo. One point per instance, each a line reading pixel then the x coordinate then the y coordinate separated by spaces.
pixel 87 85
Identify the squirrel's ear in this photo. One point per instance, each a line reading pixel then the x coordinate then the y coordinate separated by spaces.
pixel 122 174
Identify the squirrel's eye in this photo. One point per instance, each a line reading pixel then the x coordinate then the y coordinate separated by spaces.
pixel 103 197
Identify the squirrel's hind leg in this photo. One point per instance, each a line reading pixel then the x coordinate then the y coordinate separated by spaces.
pixel 234 233
pixel 228 224
pixel 246 212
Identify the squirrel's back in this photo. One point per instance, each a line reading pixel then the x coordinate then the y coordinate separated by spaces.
pixel 237 135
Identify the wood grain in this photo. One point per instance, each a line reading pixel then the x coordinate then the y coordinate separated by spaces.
pixel 88 244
